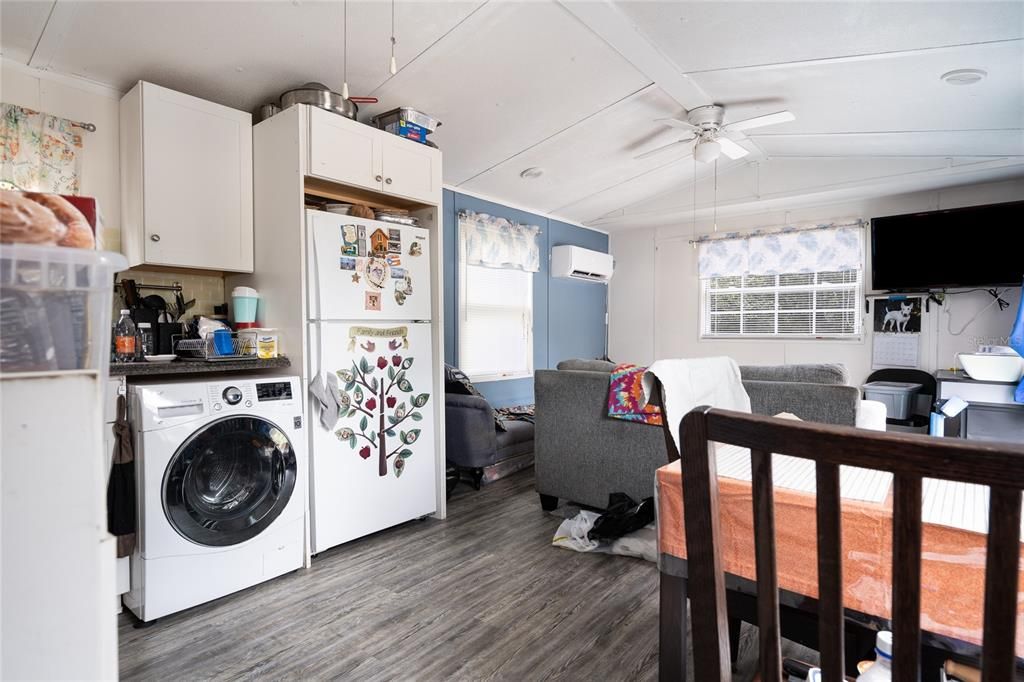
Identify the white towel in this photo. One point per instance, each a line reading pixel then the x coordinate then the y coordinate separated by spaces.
pixel 326 394
pixel 691 383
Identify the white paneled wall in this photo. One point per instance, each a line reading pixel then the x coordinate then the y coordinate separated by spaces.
pixel 654 295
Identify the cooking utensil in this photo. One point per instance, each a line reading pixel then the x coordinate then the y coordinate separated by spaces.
pixel 267 110
pixel 130 293
pixel 319 95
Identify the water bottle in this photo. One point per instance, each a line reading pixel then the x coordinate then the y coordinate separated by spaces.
pixel 147 345
pixel 881 669
pixel 124 338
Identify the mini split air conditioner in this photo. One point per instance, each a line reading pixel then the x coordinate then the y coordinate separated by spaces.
pixel 575 262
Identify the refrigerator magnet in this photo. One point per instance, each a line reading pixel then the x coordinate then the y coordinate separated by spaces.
pixel 415 249
pixel 373 300
pixel 378 242
pixel 348 263
pixel 376 272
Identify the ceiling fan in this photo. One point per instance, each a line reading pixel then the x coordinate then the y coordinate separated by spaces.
pixel 713 138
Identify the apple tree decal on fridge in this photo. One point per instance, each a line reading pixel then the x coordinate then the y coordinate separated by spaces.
pixel 377 390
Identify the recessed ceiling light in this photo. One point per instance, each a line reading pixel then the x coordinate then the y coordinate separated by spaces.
pixel 963 76
pixel 532 173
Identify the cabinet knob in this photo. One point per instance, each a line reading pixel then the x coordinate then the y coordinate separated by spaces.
pixel 387 180
pixel 378 178
pixel 154 237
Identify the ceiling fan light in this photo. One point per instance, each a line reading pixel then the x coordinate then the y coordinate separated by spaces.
pixel 708 151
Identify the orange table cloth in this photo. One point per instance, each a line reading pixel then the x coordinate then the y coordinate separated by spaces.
pixel 952 560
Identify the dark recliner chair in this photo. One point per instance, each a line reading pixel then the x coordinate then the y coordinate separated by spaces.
pixel 476 447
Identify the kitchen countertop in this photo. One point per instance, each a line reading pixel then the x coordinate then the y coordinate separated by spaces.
pixel 960 375
pixel 152 369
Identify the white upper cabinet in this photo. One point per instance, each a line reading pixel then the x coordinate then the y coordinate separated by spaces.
pixel 352 153
pixel 411 169
pixel 186 181
pixel 343 151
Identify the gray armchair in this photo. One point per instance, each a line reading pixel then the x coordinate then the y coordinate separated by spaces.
pixel 473 444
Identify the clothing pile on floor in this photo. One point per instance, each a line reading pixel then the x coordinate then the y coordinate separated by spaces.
pixel 626 528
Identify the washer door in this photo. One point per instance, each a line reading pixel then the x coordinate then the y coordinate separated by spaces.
pixel 229 481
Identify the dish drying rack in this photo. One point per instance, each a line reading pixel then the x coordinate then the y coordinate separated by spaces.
pixel 210 350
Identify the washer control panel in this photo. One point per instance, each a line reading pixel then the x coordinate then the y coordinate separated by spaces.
pixel 227 396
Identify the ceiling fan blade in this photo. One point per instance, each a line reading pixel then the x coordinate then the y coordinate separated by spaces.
pixel 647 155
pixel 730 148
pixel 677 123
pixel 760 121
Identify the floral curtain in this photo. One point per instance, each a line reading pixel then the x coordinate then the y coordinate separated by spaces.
pixel 817 249
pixel 38 151
pixel 498 243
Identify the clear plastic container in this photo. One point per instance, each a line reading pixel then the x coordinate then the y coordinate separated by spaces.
pixel 55 307
pixel 896 395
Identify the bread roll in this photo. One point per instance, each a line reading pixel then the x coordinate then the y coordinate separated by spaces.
pixel 23 221
pixel 79 233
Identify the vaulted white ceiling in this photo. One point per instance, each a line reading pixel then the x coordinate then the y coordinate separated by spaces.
pixel 574 87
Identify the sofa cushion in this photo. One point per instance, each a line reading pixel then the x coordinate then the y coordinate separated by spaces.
pixel 808 374
pixel 587 365
pixel 517 440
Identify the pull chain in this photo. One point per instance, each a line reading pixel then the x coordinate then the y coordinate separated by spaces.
pixel 693 223
pixel 716 197
pixel 393 65
pixel 344 84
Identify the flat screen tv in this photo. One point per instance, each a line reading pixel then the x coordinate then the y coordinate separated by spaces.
pixel 977 246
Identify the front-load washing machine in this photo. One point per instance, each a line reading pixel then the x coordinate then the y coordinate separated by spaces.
pixel 221 489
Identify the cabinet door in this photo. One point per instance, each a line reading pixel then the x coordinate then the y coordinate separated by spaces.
pixel 197 182
pixel 411 169
pixel 343 150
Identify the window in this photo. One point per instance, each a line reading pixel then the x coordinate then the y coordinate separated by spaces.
pixel 789 305
pixel 495 322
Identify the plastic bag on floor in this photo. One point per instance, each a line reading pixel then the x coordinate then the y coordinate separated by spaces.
pixel 623 516
pixel 573 533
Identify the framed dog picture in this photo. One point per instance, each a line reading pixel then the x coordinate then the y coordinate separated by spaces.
pixel 898 315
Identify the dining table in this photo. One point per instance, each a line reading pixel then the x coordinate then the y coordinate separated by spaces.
pixel 954 527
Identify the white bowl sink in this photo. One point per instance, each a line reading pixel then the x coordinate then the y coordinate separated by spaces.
pixel 992 367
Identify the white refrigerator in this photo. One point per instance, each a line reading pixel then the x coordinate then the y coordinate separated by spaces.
pixel 368 292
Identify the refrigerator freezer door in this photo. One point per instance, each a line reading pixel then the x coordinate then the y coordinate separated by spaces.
pixel 366 269
pixel 376 467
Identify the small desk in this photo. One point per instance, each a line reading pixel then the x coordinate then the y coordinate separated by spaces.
pixel 952 571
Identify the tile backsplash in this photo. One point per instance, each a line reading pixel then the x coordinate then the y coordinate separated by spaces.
pixel 208 290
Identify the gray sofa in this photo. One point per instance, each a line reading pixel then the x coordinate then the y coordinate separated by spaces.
pixel 582 455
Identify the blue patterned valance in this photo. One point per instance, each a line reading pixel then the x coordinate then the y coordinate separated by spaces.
pixel 498 243
pixel 821 248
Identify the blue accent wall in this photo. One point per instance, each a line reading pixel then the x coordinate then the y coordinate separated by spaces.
pixel 568 315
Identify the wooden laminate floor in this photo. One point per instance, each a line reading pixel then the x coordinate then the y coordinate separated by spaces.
pixel 482 595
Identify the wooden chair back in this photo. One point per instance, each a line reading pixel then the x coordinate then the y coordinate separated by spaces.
pixel 909 458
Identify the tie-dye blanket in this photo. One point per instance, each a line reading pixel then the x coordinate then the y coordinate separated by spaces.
pixel 626 396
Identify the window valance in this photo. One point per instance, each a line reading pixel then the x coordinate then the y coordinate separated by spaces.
pixel 498 243
pixel 819 248
pixel 38 151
